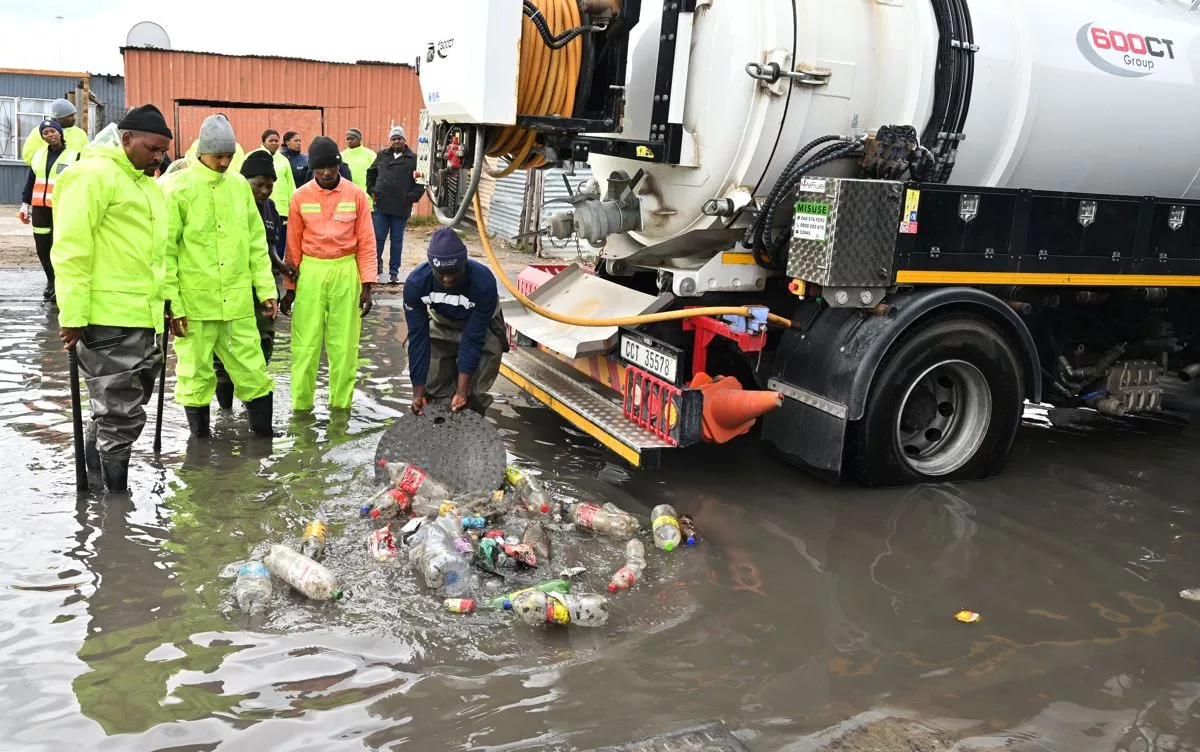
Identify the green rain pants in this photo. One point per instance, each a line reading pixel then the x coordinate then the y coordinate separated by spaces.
pixel 236 343
pixel 326 309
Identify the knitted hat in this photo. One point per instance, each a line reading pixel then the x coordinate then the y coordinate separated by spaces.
pixel 50 124
pixel 446 250
pixel 148 119
pixel 257 163
pixel 216 136
pixel 61 108
pixel 356 133
pixel 323 152
pixel 397 131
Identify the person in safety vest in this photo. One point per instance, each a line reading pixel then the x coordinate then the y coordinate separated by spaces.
pixel 391 181
pixel 239 155
pixel 110 234
pixel 63 113
pixel 332 246
pixel 218 263
pixel 259 171
pixel 285 183
pixel 456 335
pixel 359 159
pixel 37 200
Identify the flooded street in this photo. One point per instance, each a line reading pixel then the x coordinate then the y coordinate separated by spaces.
pixel 811 617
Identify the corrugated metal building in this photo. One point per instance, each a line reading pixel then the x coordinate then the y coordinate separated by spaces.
pixel 517 205
pixel 25 97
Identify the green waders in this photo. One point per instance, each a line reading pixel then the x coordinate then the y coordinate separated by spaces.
pixel 326 310
pixel 442 380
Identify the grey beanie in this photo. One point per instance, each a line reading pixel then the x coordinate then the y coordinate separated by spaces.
pixel 397 131
pixel 354 132
pixel 216 136
pixel 61 108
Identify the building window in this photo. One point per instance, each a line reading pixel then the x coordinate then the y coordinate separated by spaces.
pixel 19 117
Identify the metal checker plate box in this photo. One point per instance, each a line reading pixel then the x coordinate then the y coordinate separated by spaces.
pixel 844 232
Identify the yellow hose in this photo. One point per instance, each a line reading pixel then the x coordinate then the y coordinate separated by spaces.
pixel 646 318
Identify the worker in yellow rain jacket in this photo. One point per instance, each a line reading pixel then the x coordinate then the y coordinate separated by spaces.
pixel 37 200
pixel 110 234
pixel 360 159
pixel 331 244
pixel 217 262
pixel 239 155
pixel 285 184
pixel 63 113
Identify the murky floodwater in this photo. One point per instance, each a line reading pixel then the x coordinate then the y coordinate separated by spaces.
pixel 809 614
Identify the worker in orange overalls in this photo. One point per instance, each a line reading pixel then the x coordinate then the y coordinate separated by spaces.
pixel 331 244
pixel 37 200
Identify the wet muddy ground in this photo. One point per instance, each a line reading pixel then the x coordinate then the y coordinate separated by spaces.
pixel 810 618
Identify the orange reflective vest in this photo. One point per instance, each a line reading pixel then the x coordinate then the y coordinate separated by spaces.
pixel 44 176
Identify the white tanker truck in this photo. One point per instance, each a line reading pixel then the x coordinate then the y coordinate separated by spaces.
pixel 881 226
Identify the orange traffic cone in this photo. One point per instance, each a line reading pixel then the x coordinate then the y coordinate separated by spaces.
pixel 730 410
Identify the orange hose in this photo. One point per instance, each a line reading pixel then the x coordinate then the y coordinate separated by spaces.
pixel 546 84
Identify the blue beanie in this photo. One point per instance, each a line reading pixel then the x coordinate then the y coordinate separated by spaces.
pixel 446 249
pixel 50 124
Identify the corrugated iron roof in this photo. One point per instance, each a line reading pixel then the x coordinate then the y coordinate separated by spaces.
pixel 265 57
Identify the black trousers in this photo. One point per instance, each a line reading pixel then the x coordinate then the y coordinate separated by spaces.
pixel 42 218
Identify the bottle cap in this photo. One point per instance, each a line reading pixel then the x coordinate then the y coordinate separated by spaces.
pixel 544 508
pixel 374 514
pixel 364 510
pixel 691 540
pixel 668 546
pixel 336 594
pixel 612 588
pixel 382 462
pixel 507 604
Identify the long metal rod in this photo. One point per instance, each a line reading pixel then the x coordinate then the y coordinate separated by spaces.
pixel 81 479
pixel 162 389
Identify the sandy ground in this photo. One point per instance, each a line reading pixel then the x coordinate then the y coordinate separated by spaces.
pixel 17 252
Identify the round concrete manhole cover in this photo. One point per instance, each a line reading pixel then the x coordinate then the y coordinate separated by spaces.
pixel 462 450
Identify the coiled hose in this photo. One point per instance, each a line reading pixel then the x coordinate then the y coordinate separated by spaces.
pixel 547 81
pixel 646 318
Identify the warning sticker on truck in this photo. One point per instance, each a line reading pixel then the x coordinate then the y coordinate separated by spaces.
pixel 908 222
pixel 811 221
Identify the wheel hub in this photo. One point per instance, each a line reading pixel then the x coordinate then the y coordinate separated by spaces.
pixel 944 417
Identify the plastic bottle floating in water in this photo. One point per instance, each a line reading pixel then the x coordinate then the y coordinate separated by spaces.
pixel 687 527
pixel 635 564
pixel 252 591
pixel 313 545
pixel 529 490
pixel 608 520
pixel 459 605
pixel 381 545
pixel 536 608
pixel 504 602
pixel 665 522
pixel 309 577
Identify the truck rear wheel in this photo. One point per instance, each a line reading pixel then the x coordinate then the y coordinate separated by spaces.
pixel 945 406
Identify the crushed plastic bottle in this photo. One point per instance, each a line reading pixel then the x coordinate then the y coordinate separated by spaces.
pixel 381 545
pixel 415 482
pixel 536 537
pixel 309 577
pixel 313 545
pixel 532 497
pixel 474 522
pixel 608 520
pixel 504 602
pixel 635 564
pixel 557 608
pixel 252 591
pixel 687 527
pixel 665 522
pixel 459 605
pixel 365 509
pixel 434 555
pixel 394 504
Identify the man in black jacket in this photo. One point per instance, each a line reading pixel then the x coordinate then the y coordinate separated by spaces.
pixel 391 182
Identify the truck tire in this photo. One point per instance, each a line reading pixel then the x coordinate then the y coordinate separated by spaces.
pixel 944 406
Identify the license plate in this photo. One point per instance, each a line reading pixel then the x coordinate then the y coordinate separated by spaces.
pixel 652 356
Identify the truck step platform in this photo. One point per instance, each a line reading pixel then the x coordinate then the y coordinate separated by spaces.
pixel 586 406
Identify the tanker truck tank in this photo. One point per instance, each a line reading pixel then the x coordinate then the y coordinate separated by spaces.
pixel 717 98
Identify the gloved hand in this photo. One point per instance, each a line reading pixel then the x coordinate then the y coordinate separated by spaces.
pixel 23 214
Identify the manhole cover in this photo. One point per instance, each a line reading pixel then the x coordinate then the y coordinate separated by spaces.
pixel 463 451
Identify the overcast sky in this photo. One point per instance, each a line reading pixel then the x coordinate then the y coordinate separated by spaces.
pixel 91 32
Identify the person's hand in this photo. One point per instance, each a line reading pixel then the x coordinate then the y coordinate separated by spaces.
pixel 285 303
pixel 364 300
pixel 179 326
pixel 270 308
pixel 69 335
pixel 23 214
pixel 418 401
pixel 289 271
pixel 458 402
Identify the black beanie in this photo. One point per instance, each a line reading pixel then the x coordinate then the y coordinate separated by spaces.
pixel 446 249
pixel 146 118
pixel 323 152
pixel 258 163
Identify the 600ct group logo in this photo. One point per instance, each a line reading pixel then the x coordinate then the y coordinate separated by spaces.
pixel 1122 52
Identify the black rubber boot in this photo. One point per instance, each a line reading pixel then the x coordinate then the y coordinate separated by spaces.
pixel 260 412
pixel 91 455
pixel 48 292
pixel 116 474
pixel 225 394
pixel 197 420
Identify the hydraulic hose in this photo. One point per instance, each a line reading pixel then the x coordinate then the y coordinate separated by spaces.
pixel 646 318
pixel 547 81
pixel 472 188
